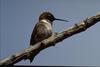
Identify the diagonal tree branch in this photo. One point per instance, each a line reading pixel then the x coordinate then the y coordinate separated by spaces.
pixel 51 41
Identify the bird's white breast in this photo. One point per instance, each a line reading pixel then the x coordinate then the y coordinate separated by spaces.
pixel 47 24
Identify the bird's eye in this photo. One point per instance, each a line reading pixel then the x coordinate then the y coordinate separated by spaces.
pixel 49 15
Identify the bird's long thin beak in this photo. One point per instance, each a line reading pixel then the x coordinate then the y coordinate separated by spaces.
pixel 61 20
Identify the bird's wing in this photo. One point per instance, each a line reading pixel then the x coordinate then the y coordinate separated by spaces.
pixel 39 33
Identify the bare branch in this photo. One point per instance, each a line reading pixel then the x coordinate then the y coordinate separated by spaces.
pixel 51 41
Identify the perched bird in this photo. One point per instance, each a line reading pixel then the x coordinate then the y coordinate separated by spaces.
pixel 43 29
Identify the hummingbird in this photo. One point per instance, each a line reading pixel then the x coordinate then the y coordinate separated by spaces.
pixel 43 29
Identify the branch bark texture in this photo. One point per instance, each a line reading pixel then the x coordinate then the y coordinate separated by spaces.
pixel 51 41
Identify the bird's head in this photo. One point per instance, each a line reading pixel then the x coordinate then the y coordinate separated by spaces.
pixel 49 16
